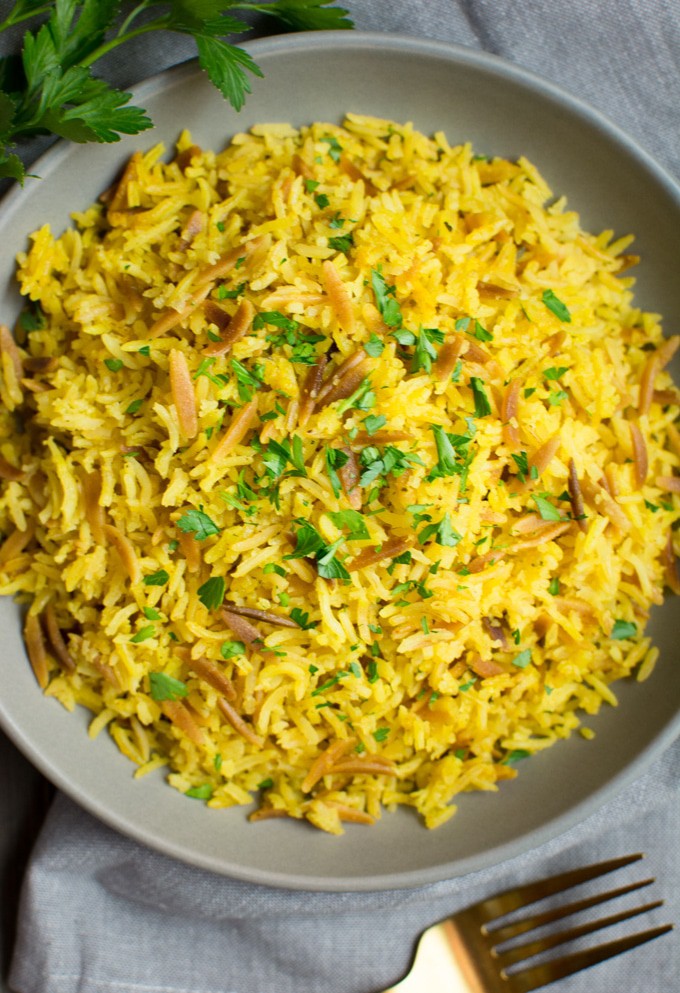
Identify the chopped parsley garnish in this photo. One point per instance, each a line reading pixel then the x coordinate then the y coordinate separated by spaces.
pixel 166 687
pixel 321 200
pixel 523 659
pixel 522 463
pixel 450 447
pixel 204 370
pixel 266 784
pixel 554 587
pixel 425 351
pixel 391 460
pixel 279 454
pixel 311 184
pixel 133 407
pixel 309 542
pixel 115 365
pixel 546 509
pixel 217 762
pixel 478 331
pixel 224 294
pixel 151 613
pixel 372 671
pixel 516 756
pixel 335 459
pixel 202 792
pixel 356 669
pixel 529 391
pixel 143 634
pixel 33 319
pixel 374 346
pixel 468 685
pixel 558 308
pixel 301 618
pixel 556 397
pixel 482 405
pixel 352 521
pixel 363 398
pixel 273 567
pixel 158 578
pixel 229 649
pixel 145 350
pixel 198 523
pixel 211 593
pixel 455 375
pixel 443 532
pixel 623 630
pixel 329 683
pixel 276 319
pixel 381 734
pixel 341 242
pixel 389 309
pixel 247 380
pixel 555 372
pixel 374 422
pixel 334 147
pixel 337 222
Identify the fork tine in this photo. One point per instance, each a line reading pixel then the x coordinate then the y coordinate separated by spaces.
pixel 541 975
pixel 530 948
pixel 507 931
pixel 521 896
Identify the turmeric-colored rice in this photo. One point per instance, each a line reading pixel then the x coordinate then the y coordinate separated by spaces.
pixel 347 469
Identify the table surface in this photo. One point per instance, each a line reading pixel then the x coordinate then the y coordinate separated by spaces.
pixel 24 799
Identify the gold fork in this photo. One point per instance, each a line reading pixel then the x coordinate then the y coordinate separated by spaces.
pixel 465 953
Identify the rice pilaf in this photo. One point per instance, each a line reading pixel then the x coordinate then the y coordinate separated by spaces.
pixel 347 469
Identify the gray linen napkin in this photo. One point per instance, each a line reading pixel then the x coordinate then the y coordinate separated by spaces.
pixel 103 914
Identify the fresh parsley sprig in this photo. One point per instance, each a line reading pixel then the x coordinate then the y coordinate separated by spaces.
pixel 50 87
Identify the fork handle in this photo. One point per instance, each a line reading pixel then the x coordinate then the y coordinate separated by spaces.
pixel 435 968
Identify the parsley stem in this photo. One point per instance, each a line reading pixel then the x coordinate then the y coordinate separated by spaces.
pixel 131 17
pixel 120 39
pixel 13 19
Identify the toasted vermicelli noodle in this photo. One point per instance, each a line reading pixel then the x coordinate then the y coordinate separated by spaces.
pixel 347 469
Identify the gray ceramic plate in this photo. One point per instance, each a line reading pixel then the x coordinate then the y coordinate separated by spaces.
pixel 502 110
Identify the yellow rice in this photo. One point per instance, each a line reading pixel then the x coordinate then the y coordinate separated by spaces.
pixel 420 676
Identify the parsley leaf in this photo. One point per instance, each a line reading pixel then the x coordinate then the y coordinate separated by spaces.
pixel 623 630
pixel 199 523
pixel 363 398
pixel 211 593
pixel 374 346
pixel 523 659
pixel 335 459
pixel 374 422
pixel 425 351
pixel 558 308
pixel 443 532
pixel 334 147
pixel 386 303
pixel 482 405
pixel 351 520
pixel 555 372
pixel 230 649
pixel 143 634
pixel 202 792
pixel 546 509
pixel 166 687
pixel 158 578
pixel 342 242
pixel 301 618
pixel 275 318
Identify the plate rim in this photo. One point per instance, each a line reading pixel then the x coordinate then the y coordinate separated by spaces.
pixel 598 797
